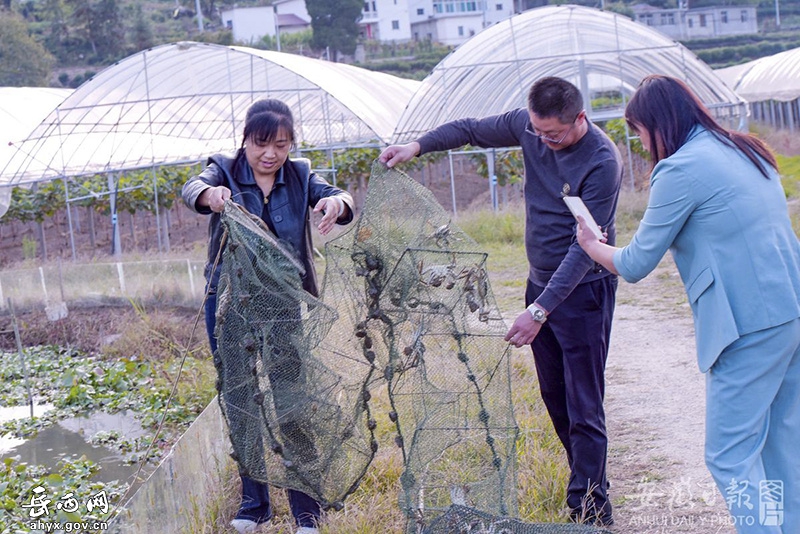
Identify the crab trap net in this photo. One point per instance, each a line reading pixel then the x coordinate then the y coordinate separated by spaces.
pixel 464 520
pixel 403 349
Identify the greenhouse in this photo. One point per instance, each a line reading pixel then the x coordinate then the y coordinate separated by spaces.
pixel 180 102
pixel 183 101
pixel 37 102
pixel 771 85
pixel 603 53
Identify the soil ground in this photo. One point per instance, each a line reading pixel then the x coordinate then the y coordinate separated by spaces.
pixel 654 407
pixel 655 410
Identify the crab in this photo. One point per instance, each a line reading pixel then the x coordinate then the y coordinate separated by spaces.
pixel 441 236
pixel 476 283
pixel 414 351
pixel 436 275
pixel 476 289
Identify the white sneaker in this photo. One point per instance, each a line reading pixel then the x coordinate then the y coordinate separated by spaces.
pixel 307 530
pixel 244 526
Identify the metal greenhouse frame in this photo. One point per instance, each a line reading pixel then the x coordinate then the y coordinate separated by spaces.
pixel 598 51
pixel 180 102
pixel 772 87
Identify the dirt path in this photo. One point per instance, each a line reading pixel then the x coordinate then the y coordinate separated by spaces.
pixel 655 402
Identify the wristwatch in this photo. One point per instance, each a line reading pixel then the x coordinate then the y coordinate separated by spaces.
pixel 538 314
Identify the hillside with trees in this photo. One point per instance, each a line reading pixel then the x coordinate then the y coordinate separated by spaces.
pixel 62 43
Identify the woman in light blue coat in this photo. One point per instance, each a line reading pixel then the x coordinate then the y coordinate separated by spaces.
pixel 716 202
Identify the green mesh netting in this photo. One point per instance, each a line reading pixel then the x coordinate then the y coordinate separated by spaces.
pixel 297 416
pixel 404 349
pixel 463 520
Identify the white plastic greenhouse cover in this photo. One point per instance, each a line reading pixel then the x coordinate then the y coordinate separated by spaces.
pixel 596 50
pixel 775 77
pixel 182 102
pixel 21 110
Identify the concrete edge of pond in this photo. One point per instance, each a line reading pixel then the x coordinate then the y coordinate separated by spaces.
pixel 185 481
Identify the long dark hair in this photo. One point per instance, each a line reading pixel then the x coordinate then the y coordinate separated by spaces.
pixel 264 120
pixel 668 109
pixel 268 104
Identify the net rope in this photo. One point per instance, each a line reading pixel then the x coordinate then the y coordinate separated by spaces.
pixel 404 349
pixel 463 520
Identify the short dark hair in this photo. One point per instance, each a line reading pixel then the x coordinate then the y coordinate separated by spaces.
pixel 555 97
pixel 265 119
pixel 669 110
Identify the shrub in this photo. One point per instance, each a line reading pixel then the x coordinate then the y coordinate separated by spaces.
pixel 29 248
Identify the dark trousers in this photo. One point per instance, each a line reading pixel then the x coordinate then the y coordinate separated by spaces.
pixel 255 504
pixel 570 354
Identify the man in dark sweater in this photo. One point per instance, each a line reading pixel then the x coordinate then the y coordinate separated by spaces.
pixel 569 298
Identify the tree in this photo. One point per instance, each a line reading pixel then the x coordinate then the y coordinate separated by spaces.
pixel 23 61
pixel 508 168
pixel 211 8
pixel 98 26
pixel 107 27
pixel 81 24
pixel 335 24
pixel 141 34
pixel 54 12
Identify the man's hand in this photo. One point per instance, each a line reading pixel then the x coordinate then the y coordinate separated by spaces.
pixel 214 198
pixel 394 154
pixel 334 208
pixel 523 331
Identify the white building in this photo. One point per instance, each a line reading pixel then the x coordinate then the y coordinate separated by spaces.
pixel 698 23
pixel 386 20
pixel 449 22
pixel 292 15
pixel 291 23
pixel 250 24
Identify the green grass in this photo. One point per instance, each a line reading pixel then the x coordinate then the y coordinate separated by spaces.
pixel 630 210
pixel 542 470
pixel 789 167
pixel 490 228
pixel 790 175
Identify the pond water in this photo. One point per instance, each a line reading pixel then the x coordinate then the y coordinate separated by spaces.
pixel 70 438
pixel 9 413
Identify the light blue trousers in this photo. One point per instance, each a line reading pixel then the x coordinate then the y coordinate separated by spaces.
pixel 753 429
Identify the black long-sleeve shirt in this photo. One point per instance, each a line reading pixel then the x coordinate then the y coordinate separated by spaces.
pixel 590 169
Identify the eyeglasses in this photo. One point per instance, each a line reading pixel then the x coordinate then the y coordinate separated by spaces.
pixel 552 140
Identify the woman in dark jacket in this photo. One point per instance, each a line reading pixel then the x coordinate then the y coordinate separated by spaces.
pixel 282 191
